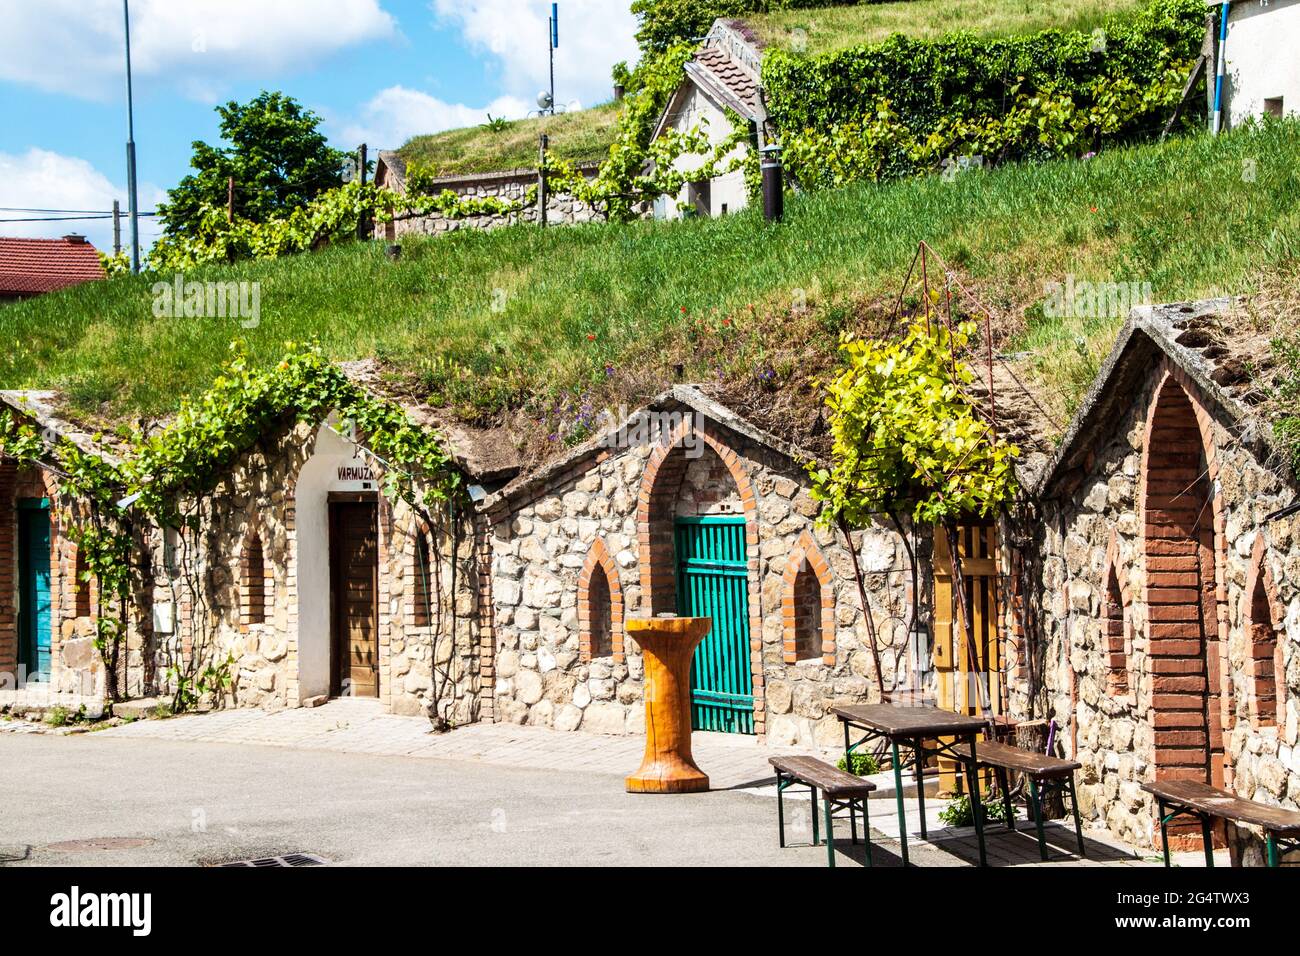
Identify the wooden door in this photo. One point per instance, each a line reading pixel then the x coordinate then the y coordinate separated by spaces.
pixel 354 598
pixel 713 582
pixel 35 623
pixel 967 671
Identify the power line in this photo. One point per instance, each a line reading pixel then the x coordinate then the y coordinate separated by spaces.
pixel 107 215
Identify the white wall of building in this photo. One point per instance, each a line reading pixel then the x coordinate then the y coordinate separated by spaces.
pixel 1263 60
pixel 723 194
pixel 330 468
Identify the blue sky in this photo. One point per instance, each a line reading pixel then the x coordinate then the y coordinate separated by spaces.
pixel 377 71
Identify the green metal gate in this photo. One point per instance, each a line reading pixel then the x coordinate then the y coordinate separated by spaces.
pixel 713 581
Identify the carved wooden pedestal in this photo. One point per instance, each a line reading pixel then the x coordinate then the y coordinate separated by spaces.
pixel 668 644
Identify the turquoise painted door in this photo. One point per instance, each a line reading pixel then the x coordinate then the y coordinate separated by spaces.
pixel 34 620
pixel 713 581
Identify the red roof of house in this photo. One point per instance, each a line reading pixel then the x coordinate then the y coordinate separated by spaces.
pixel 33 266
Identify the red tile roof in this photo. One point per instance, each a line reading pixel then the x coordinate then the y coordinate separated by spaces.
pixel 33 266
pixel 731 75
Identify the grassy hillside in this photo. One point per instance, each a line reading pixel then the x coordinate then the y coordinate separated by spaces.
pixel 580 135
pixel 832 28
pixel 551 321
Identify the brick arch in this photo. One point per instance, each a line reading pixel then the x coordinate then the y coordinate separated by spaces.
pixel 807 578
pixel 1262 620
pixel 656 504
pixel 1117 630
pixel 1182 556
pixel 660 487
pixel 599 592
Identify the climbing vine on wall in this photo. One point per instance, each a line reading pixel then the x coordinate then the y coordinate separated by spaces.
pixel 167 476
pixel 905 105
pixel 907 442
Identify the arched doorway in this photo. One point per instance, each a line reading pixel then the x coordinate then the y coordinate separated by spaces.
pixel 698 530
pixel 1179 551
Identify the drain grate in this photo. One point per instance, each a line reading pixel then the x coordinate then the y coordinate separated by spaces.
pixel 289 859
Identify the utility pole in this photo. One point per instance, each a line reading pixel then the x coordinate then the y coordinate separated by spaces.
pixel 363 227
pixel 117 228
pixel 132 197
pixel 542 198
pixel 555 42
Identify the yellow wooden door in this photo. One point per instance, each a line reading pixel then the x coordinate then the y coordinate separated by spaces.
pixel 968 673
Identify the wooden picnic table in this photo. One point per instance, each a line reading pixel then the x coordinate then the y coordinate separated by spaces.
pixel 913 728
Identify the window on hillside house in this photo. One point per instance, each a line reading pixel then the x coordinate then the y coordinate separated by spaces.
pixel 807 615
pixel 254 582
pixel 1112 626
pixel 422 590
pixel 80 575
pixel 600 609
pixel 1263 654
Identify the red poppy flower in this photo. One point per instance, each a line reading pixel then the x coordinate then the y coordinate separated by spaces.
pixel 591 338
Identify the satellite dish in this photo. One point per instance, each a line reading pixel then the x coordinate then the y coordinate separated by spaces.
pixel 544 100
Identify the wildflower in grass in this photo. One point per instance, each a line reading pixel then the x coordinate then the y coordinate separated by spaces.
pixel 591 336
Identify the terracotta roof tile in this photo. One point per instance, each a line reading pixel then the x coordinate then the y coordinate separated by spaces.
pixel 33 266
pixel 730 74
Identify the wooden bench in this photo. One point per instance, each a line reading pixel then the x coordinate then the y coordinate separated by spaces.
pixel 839 790
pixel 1206 803
pixel 1043 772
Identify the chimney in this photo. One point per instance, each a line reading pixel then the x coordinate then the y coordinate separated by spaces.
pixel 75 238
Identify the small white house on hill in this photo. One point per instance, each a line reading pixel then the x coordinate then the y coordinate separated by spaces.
pixel 723 75
pixel 1262 58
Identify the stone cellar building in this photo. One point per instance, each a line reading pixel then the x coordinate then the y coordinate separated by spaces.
pixel 1144 594
pixel 685 508
pixel 1170 579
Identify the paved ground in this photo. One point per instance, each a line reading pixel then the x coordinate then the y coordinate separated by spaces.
pixel 360 787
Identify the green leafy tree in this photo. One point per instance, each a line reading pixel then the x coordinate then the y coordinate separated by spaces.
pixel 907 441
pixel 276 155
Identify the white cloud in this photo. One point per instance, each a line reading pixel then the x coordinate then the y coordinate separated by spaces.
pixel 594 35
pixel 46 180
pixel 396 114
pixel 75 46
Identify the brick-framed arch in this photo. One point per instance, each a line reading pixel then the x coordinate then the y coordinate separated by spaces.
pixel 1262 620
pixel 254 584
pixel 656 502
pixel 807 576
pixel 599 593
pixel 1116 623
pixel 1183 552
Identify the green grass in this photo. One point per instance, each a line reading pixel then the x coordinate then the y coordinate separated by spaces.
pixel 517 317
pixel 578 136
pixel 822 30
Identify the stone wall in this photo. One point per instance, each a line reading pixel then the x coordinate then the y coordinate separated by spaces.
pixel 1116 686
pixel 547 536
pixel 275 657
pixel 76 676
pixel 512 187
